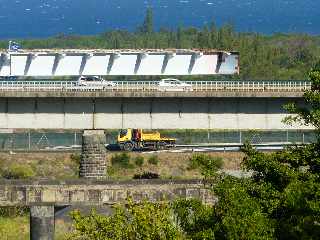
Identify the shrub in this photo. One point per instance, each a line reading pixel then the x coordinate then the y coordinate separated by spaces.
pixel 121 160
pixel 154 160
pixel 206 163
pixel 139 161
pixel 13 211
pixel 147 175
pixel 18 171
pixel 132 221
pixel 75 158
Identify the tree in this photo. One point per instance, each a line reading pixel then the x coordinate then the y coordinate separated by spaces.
pixel 279 201
pixel 310 113
pixel 147 26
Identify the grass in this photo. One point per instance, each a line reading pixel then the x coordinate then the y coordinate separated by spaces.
pixel 16 228
pixel 171 165
pixel 39 165
pixel 66 165
pixel 154 160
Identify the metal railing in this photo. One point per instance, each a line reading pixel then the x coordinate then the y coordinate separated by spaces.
pixel 153 86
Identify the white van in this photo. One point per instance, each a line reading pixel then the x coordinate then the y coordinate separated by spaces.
pixel 95 82
pixel 171 84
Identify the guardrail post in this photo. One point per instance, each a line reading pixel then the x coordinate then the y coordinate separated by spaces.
pixel 42 222
pixel 29 140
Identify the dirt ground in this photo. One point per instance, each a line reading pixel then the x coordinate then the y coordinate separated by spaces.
pixel 65 165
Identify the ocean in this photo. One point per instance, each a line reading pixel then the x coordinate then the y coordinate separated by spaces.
pixel 45 18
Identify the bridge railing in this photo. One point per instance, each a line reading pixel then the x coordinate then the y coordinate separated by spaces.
pixel 152 86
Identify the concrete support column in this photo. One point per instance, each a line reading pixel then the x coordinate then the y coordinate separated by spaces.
pixel 93 156
pixel 42 222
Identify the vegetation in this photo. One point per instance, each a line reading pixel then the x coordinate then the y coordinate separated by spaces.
pixel 139 161
pixel 279 201
pixel 39 165
pixel 121 160
pixel 146 175
pixel 154 160
pixel 207 164
pixel 278 56
pixel 146 221
pixel 17 171
pixel 16 228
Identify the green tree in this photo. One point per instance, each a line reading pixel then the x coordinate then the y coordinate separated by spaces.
pixel 309 114
pixel 279 201
pixel 147 25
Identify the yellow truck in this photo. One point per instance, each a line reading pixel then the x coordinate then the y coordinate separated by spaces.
pixel 136 139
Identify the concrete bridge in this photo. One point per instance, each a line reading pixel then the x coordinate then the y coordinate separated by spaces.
pixel 214 105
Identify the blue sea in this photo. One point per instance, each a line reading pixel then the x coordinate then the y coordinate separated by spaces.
pixel 44 18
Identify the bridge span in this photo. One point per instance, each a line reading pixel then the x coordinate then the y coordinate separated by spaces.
pixel 211 105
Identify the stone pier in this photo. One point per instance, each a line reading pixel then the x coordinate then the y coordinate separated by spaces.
pixel 93 156
pixel 92 166
pixel 42 222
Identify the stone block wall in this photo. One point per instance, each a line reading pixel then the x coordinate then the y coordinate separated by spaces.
pixel 93 192
pixel 93 156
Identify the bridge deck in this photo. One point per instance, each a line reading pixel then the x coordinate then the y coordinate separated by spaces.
pixel 141 89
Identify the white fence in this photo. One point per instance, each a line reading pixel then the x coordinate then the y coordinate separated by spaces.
pixel 152 86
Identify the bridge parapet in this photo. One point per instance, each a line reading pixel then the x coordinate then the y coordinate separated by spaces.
pixel 93 193
pixel 152 89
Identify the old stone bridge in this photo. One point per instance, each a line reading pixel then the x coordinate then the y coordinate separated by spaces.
pixel 44 196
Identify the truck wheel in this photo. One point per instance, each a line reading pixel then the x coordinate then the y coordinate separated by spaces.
pixel 128 146
pixel 162 145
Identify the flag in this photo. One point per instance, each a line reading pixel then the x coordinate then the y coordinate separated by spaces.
pixel 14 47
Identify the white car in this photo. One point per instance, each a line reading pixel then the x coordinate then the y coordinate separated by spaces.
pixel 171 84
pixel 95 82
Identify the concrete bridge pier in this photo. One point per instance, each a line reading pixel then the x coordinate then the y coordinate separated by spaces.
pixel 42 222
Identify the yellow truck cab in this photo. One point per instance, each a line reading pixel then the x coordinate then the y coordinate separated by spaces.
pixel 135 139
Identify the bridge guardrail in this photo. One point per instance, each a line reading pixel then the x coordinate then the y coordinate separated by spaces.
pixel 152 86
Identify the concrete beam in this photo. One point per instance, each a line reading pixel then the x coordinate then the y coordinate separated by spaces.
pixel 147 113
